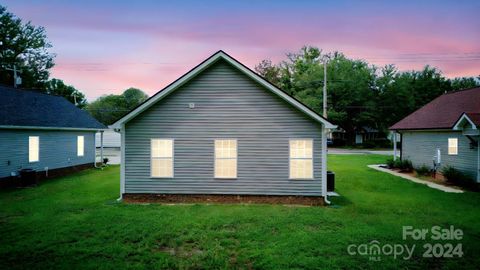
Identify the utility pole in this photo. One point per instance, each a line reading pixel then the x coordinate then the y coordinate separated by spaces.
pixel 325 61
pixel 16 79
pixel 74 94
pixel 14 76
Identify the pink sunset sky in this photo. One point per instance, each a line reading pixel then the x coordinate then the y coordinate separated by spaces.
pixel 104 47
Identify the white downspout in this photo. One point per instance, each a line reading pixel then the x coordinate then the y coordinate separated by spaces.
pixel 122 161
pixel 324 164
pixel 101 152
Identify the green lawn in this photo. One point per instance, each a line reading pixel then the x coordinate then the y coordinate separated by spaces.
pixel 75 222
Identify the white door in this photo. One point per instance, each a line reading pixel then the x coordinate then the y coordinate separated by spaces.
pixel 358 139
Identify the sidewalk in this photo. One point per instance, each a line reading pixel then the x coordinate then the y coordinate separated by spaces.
pixel 416 180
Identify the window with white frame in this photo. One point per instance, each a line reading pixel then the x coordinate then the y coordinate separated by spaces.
pixel 301 159
pixel 33 148
pixel 80 146
pixel 226 158
pixel 452 146
pixel 161 158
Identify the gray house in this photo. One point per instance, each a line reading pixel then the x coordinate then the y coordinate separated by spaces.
pixel 223 129
pixel 43 132
pixel 445 132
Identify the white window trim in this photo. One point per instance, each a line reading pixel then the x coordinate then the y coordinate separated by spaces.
pixel 38 149
pixel 456 147
pixel 215 158
pixel 313 161
pixel 173 159
pixel 83 146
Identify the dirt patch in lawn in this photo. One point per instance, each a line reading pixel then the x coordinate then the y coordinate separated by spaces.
pixel 181 251
pixel 227 199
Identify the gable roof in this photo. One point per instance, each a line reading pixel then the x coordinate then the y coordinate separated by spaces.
pixel 442 112
pixel 29 109
pixel 473 119
pixel 204 65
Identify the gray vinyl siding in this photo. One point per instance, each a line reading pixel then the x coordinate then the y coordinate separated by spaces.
pixel 58 149
pixel 421 146
pixel 227 105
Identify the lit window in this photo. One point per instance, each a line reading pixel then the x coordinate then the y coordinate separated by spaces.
pixel 452 146
pixel 161 158
pixel 225 158
pixel 301 159
pixel 80 146
pixel 33 148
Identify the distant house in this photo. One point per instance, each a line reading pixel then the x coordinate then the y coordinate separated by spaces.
pixel 111 139
pixel 43 132
pixel 444 131
pixel 221 129
pixel 361 135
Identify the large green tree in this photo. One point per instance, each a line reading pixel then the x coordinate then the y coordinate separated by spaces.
pixel 59 88
pixel 351 94
pixel 26 47
pixel 109 108
pixel 359 94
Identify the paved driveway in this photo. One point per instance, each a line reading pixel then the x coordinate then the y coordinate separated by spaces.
pixel 113 154
pixel 343 151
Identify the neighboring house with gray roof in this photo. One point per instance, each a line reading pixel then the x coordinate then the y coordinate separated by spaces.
pixel 221 129
pixel 43 132
pixel 446 130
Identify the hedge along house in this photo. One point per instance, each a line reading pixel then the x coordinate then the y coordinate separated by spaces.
pixel 221 129
pixel 43 132
pixel 445 132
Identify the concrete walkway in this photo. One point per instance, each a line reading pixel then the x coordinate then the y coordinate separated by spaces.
pixel 416 180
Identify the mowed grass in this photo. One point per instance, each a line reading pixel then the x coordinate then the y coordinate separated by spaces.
pixel 75 223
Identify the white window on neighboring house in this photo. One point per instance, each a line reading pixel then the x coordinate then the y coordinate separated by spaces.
pixel 301 159
pixel 33 148
pixel 452 146
pixel 80 146
pixel 226 158
pixel 161 153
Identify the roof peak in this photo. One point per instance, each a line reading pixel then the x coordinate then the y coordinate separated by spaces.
pixel 204 65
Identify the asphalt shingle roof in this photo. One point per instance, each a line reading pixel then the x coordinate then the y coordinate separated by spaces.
pixel 443 112
pixel 29 108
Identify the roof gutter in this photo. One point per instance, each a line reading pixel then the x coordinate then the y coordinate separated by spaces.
pixel 51 128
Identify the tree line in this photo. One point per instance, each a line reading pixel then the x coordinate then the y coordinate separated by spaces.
pixel 26 47
pixel 359 94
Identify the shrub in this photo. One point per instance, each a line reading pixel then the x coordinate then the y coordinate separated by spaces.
pixel 390 163
pixel 456 177
pixel 397 163
pixel 369 144
pixel 423 170
pixel 406 165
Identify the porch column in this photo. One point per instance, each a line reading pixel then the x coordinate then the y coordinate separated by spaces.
pixel 101 147
pixel 394 145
